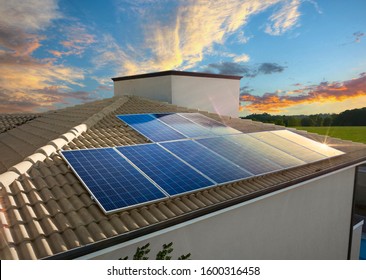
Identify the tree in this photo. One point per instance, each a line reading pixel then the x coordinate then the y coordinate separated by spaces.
pixel 307 122
pixel 327 121
pixel 142 253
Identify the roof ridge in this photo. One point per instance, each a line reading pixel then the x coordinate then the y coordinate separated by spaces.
pixel 52 146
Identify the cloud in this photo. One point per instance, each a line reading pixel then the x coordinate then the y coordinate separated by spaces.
pixel 30 15
pixel 357 36
pixel 324 92
pixel 76 42
pixel 232 68
pixel 269 68
pixel 47 98
pixel 229 68
pixel 18 42
pixel 198 26
pixel 28 83
pixel 284 19
pixel 242 58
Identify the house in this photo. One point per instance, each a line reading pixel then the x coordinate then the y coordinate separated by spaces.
pixel 304 212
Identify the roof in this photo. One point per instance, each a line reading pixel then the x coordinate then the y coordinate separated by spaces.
pixel 10 121
pixel 47 213
pixel 177 73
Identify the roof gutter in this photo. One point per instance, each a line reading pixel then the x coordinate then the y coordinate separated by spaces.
pixel 94 247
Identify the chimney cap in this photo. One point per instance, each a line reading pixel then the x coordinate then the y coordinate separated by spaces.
pixel 177 73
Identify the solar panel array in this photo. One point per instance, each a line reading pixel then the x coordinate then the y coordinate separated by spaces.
pixel 175 126
pixel 192 153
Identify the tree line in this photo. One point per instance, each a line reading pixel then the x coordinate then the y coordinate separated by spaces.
pixel 355 117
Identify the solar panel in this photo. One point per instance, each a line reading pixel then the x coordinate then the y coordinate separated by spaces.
pixel 150 127
pixel 243 156
pixel 288 146
pixel 212 125
pixel 209 163
pixel 183 125
pixel 112 181
pixel 262 149
pixel 170 173
pixel 308 143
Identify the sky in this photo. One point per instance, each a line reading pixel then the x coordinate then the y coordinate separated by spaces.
pixel 295 56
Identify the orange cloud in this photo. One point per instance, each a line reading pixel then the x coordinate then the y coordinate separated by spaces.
pixel 324 92
pixel 77 41
pixel 198 26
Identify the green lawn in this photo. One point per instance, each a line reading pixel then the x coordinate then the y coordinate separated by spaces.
pixel 353 133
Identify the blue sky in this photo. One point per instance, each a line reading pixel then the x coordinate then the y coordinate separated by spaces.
pixel 295 56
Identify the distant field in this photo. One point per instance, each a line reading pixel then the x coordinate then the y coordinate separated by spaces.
pixel 353 133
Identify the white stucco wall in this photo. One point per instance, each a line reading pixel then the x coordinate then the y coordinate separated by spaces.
pixel 310 220
pixel 155 88
pixel 356 241
pixel 220 96
pixel 216 95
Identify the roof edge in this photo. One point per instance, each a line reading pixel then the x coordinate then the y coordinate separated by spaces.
pixel 177 73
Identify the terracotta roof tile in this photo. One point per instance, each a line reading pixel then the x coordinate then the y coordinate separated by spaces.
pixel 26 250
pixel 49 225
pixel 71 239
pixel 62 222
pixel 20 233
pixel 10 121
pixel 118 225
pixel 96 232
pixel 53 207
pixel 14 217
pixel 83 235
pixel 108 228
pixel 43 247
pixel 57 243
pixel 35 229
pixel 128 221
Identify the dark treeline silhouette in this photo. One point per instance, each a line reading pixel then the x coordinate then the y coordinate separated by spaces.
pixel 355 117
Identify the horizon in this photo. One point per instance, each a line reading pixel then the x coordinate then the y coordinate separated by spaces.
pixel 297 57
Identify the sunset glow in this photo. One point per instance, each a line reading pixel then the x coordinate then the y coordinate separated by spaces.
pixel 295 56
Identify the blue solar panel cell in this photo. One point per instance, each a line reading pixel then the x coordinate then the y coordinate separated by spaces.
pixel 212 125
pixel 289 147
pixel 308 143
pixel 112 181
pixel 150 127
pixel 206 161
pixel 183 125
pixel 170 173
pixel 243 156
pixel 264 150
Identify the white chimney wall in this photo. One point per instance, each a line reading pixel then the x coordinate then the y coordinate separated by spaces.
pixel 206 92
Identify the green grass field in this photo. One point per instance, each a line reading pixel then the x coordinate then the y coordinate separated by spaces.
pixel 353 133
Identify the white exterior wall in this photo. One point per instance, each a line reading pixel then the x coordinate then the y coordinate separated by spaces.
pixel 356 241
pixel 215 95
pixel 154 88
pixel 310 220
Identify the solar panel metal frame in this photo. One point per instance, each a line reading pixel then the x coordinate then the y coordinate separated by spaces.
pixel 151 115
pixel 218 155
pixel 214 184
pixel 92 195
